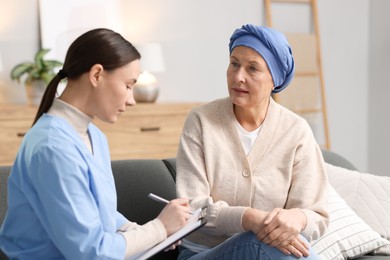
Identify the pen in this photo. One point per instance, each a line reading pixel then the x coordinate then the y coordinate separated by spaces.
pixel 159 199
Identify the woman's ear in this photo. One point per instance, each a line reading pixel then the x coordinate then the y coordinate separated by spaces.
pixel 95 74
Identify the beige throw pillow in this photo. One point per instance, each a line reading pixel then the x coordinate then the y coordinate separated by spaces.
pixel 367 194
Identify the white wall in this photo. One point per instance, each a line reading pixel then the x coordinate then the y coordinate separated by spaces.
pixel 379 88
pixel 345 42
pixel 195 36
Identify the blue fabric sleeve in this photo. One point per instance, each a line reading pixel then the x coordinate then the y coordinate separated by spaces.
pixel 64 202
pixel 120 220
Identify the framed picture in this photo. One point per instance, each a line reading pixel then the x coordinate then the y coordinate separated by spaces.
pixel 62 21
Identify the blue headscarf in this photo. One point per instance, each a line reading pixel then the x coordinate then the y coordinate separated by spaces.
pixel 272 46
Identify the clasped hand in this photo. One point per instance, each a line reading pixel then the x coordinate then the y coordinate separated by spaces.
pixel 280 228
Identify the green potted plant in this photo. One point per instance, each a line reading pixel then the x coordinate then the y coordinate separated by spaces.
pixel 36 75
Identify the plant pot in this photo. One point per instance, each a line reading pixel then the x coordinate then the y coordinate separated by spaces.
pixel 34 91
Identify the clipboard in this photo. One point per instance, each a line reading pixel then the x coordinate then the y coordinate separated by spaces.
pixel 196 221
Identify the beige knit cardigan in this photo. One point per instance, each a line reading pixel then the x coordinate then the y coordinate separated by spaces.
pixel 284 169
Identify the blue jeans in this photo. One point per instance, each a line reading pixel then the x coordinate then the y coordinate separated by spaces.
pixel 244 246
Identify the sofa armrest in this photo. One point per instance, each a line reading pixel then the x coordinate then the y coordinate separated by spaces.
pixel 170 163
pixel 4 173
pixel 337 160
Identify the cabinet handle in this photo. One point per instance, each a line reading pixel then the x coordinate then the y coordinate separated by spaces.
pixel 149 129
pixel 20 134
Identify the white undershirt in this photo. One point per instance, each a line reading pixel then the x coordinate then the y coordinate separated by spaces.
pixel 247 138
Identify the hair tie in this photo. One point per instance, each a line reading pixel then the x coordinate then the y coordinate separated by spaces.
pixel 62 74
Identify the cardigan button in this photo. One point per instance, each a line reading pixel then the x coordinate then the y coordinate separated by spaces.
pixel 246 173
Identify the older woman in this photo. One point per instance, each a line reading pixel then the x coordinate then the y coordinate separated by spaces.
pixel 255 164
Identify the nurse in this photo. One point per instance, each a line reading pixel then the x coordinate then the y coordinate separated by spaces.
pixel 61 192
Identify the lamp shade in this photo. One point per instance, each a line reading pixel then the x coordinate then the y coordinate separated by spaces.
pixel 152 59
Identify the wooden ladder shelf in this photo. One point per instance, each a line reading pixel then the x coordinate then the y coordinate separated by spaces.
pixel 306 93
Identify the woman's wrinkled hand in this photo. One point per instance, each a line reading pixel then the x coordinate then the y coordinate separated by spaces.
pixel 295 246
pixel 282 229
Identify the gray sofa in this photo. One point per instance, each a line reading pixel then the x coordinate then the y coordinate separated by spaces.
pixel 135 179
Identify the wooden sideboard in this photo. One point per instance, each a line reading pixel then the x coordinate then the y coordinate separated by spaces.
pixel 148 130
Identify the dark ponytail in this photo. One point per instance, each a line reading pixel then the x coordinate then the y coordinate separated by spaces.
pixel 98 46
pixel 48 97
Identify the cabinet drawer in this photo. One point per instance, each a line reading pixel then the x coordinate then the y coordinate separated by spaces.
pixel 144 137
pixel 11 136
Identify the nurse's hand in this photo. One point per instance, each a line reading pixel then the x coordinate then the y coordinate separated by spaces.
pixel 175 215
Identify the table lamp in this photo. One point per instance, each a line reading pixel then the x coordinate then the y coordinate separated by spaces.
pixel 147 88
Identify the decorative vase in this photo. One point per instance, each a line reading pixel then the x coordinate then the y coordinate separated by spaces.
pixel 146 89
pixel 34 91
pixel 146 94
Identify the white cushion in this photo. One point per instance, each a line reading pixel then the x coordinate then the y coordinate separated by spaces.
pixel 384 250
pixel 347 235
pixel 367 194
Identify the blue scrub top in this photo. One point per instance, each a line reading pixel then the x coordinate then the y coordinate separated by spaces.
pixel 61 198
